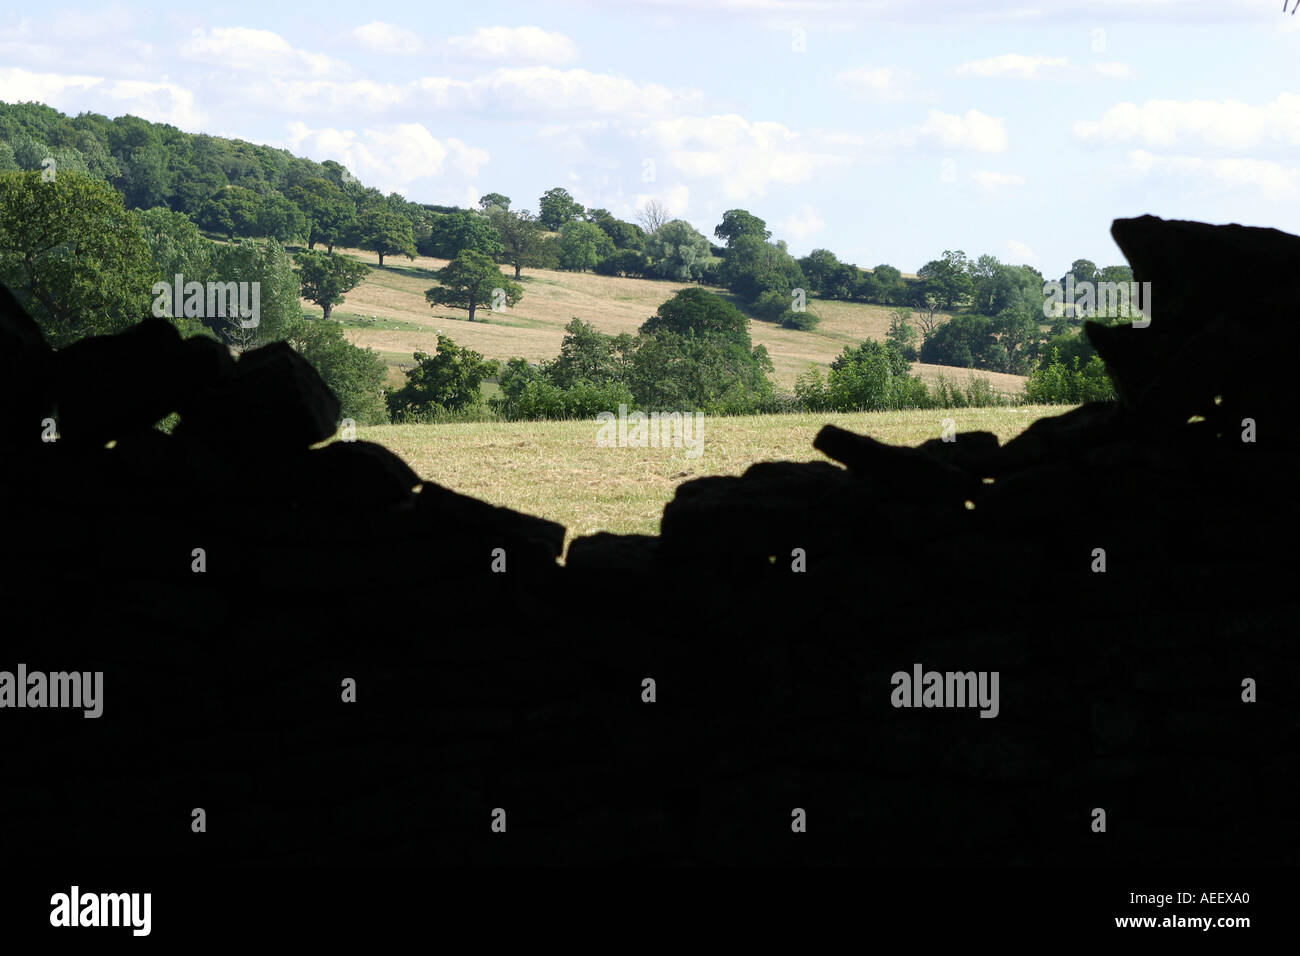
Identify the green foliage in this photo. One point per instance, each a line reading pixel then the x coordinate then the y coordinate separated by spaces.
pixel 585 355
pixel 235 211
pixel 1055 383
pixel 699 312
pixel 450 379
pixel 266 263
pixel 451 234
pixel 582 245
pixel 385 233
pixel 494 201
pixel 976 393
pixel 326 278
pixel 556 207
pixel 329 212
pixel 73 255
pixel 469 281
pixel 902 334
pixel 354 374
pixel 753 266
pixel 520 235
pixel 676 251
pixel 948 279
pixel 738 222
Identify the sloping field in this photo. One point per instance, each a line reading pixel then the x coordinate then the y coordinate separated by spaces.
pixel 388 313
pixel 557 470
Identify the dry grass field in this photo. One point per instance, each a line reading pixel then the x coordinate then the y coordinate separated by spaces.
pixel 556 469
pixel 388 313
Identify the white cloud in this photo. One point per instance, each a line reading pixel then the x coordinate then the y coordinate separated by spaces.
pixel 380 37
pixel 1020 252
pixel 161 102
pixel 392 156
pixel 18 85
pixel 745 158
pixel 1014 65
pixel 517 44
pixel 676 199
pixel 879 83
pixel 1112 70
pixel 246 50
pixel 991 181
pixel 1229 124
pixel 1273 180
pixel 803 225
pixel 976 131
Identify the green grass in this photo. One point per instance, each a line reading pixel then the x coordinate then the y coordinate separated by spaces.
pixel 556 470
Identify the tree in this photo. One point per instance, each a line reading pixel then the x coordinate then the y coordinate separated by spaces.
pixel 737 222
pixel 902 334
pixel 585 355
pixel 385 233
pixel 753 266
pixel 1083 270
pixel 233 211
pixel 175 243
pixel 355 375
pixel 281 219
pixel 890 281
pixel 492 201
pixel 268 265
pixel 676 250
pixel 454 233
pixel 582 245
pixel 469 281
pixel 947 278
pixel 449 379
pixel 556 207
pixel 328 210
pixel 700 313
pixel 326 278
pixel 520 235
pixel 73 255
pixel 652 215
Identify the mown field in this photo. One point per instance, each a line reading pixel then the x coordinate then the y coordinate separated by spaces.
pixel 388 313
pixel 557 470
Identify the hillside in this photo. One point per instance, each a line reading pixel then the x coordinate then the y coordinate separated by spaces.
pixel 388 313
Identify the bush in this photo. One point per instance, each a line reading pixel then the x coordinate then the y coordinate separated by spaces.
pixel 1055 383
pixel 804 321
pixel 976 393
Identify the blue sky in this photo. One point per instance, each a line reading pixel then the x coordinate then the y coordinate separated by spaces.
pixel 885 131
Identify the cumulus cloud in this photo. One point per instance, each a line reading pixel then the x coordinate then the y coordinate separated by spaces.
pixel 539 91
pixel 20 85
pixel 877 83
pixel 1272 180
pixel 380 37
pixel 803 225
pixel 1113 70
pixel 242 49
pixel 516 44
pixel 975 131
pixel 393 156
pixel 1020 252
pixel 1013 65
pixel 744 157
pixel 1229 124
